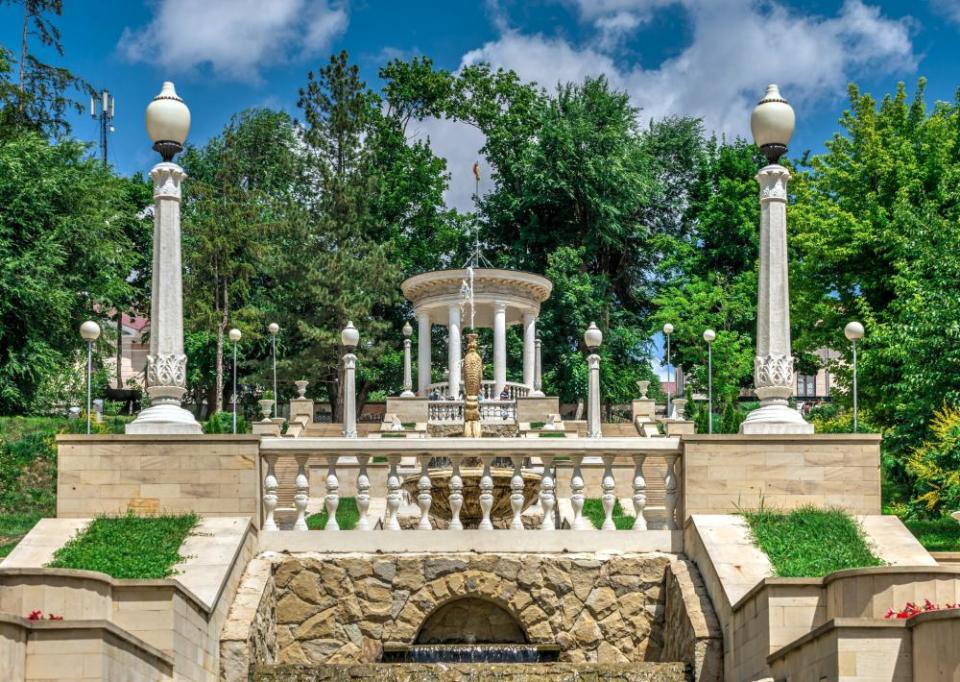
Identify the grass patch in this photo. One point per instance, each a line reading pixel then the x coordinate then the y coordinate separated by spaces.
pixel 593 510
pixel 537 425
pixel 347 516
pixel 128 546
pixel 809 542
pixel 408 425
pixel 552 434
pixel 388 434
pixel 940 535
pixel 12 529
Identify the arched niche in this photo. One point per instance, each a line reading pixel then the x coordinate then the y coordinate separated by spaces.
pixel 469 620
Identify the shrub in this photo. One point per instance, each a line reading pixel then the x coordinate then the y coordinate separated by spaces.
pixel 222 422
pixel 935 467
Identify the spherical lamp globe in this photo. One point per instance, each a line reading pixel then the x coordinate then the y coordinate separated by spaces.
pixel 772 123
pixel 593 337
pixel 407 330
pixel 273 328
pixel 853 331
pixel 90 331
pixel 168 122
pixel 235 334
pixel 668 329
pixel 709 335
pixel 350 337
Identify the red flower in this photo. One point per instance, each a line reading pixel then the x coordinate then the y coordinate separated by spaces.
pixel 50 616
pixel 910 610
pixel 35 615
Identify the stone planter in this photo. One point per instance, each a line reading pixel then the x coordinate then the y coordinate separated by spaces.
pixel 266 407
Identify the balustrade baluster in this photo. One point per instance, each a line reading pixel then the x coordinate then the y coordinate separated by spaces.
pixel 424 498
pixel 456 494
pixel 576 496
pixel 639 492
pixel 670 493
pixel 270 499
pixel 609 498
pixel 548 499
pixel 332 500
pixel 391 522
pixel 363 493
pixel 486 493
pixel 516 492
pixel 302 495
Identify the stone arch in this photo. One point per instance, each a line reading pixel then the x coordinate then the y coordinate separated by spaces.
pixel 471 620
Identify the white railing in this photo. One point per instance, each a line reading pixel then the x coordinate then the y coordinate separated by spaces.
pixel 490 410
pixel 487 389
pixel 427 460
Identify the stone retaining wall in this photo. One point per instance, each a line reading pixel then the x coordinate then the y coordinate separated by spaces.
pixel 343 609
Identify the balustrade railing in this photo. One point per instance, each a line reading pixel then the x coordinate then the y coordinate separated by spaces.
pixel 487 389
pixel 414 469
pixel 490 410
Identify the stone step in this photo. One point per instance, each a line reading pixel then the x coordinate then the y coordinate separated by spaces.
pixel 475 672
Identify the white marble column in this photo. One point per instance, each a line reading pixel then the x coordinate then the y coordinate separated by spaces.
pixel 453 349
pixel 350 396
pixel 166 364
pixel 407 371
pixel 773 364
pixel 499 347
pixel 593 396
pixel 537 391
pixel 423 352
pixel 529 348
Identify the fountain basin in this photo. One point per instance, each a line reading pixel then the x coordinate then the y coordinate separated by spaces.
pixel 472 653
pixel 470 513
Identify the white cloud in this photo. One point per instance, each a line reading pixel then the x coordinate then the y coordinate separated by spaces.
pixel 235 38
pixel 947 8
pixel 738 46
pixel 459 143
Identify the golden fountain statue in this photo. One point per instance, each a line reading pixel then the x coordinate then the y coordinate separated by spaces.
pixel 472 378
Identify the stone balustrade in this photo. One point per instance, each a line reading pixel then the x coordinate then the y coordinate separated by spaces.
pixel 490 410
pixel 487 389
pixel 529 471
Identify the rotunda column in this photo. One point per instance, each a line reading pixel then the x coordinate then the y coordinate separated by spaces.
pixel 423 352
pixel 453 349
pixel 499 346
pixel 529 348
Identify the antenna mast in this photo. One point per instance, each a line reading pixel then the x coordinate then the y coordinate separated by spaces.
pixel 104 117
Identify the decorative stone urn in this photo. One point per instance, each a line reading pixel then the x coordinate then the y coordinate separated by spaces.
pixel 679 407
pixel 643 386
pixel 266 407
pixel 301 388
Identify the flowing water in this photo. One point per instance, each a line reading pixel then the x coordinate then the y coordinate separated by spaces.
pixel 472 653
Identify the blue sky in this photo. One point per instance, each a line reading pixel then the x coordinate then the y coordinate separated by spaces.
pixel 709 58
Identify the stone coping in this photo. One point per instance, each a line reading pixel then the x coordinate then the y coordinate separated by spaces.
pixel 475 446
pixel 96 576
pixel 91 625
pixel 157 437
pixel 774 582
pixel 454 541
pixel 782 438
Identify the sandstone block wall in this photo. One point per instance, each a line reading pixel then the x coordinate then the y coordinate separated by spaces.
pixel 343 609
pixel 213 475
pixel 724 472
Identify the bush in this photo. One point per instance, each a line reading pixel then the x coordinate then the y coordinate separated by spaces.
pixel 935 467
pixel 222 422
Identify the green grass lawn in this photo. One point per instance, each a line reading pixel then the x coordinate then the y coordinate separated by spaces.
pixel 810 542
pixel 128 546
pixel 12 528
pixel 347 516
pixel 940 535
pixel 593 510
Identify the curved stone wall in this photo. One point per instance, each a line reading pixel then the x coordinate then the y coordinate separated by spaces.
pixel 343 609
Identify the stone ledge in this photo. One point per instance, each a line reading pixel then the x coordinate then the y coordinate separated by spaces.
pixel 775 438
pixel 156 437
pixel 841 623
pixel 477 672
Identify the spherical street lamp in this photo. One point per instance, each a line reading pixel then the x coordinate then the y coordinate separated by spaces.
pixel 709 335
pixel 772 123
pixel 593 337
pixel 407 330
pixel 235 335
pixel 854 332
pixel 350 337
pixel 274 329
pixel 667 331
pixel 168 122
pixel 89 332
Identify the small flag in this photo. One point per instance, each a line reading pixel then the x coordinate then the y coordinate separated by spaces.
pixel 476 170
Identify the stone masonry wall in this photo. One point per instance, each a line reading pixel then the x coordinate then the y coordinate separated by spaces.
pixel 343 609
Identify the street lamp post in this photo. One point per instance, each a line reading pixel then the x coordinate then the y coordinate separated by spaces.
pixel 709 335
pixel 593 337
pixel 854 332
pixel 772 123
pixel 349 337
pixel 235 337
pixel 667 331
pixel 90 332
pixel 407 368
pixel 274 329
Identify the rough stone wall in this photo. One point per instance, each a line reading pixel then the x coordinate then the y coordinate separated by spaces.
pixel 342 609
pixel 691 632
pixel 477 672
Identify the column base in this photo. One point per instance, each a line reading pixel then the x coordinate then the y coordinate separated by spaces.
pixel 536 394
pixel 408 394
pixel 160 419
pixel 775 419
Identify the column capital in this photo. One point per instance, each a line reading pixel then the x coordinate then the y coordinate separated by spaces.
pixel 350 361
pixel 500 306
pixel 773 181
pixel 167 179
pixel 593 361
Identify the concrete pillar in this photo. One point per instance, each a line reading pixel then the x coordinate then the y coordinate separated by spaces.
pixel 453 349
pixel 407 371
pixel 499 346
pixel 537 391
pixel 423 352
pixel 773 364
pixel 593 397
pixel 529 348
pixel 166 364
pixel 350 396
